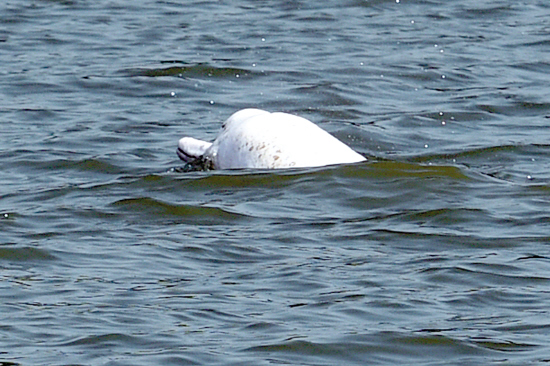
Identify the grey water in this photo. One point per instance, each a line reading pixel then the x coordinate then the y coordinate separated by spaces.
pixel 436 251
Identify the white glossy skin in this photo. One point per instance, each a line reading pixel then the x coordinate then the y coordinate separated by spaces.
pixel 253 138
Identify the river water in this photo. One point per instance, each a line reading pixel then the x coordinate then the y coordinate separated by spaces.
pixel 435 251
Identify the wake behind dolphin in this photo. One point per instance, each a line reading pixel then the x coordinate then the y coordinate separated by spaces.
pixel 254 138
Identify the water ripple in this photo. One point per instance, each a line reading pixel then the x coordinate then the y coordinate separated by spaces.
pixel 156 209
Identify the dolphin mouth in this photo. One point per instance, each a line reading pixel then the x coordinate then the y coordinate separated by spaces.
pixel 184 156
pixel 194 163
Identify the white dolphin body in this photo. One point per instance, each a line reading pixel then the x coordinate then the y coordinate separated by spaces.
pixel 253 138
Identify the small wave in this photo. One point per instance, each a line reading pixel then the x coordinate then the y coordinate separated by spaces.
pixel 155 209
pixel 392 345
pixel 10 253
pixel 390 169
pixel 192 70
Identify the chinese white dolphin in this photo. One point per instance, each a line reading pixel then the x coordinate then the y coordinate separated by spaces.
pixel 254 138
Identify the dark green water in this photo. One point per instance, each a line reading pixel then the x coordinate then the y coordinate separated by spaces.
pixel 434 252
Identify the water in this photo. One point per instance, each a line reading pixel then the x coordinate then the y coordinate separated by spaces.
pixel 434 252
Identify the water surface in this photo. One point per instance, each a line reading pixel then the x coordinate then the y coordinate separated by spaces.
pixel 433 252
